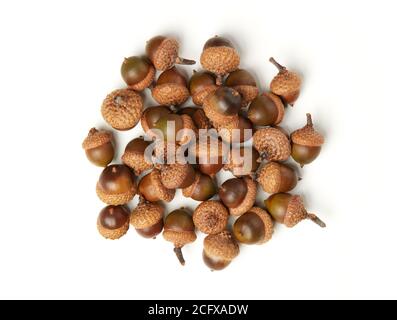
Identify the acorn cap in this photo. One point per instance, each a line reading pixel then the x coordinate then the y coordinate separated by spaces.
pixel 221 245
pixel 112 234
pixel 163 193
pixel 166 54
pixel 96 138
pixel 146 214
pixel 170 94
pixel 307 136
pixel 226 131
pixel 115 199
pixel 146 82
pixel 135 159
pixel 279 105
pixel 177 175
pixel 270 177
pixel 211 217
pixel 188 191
pixel 273 142
pixel 248 93
pixel 179 238
pixel 220 60
pixel 296 212
pixel 198 97
pixel 122 109
pixel 267 222
pixel 215 117
pixel 249 199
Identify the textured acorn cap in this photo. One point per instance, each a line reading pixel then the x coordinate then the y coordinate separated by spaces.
pixel 166 54
pixel 163 150
pixel 279 105
pixel 210 217
pixel 273 142
pixel 96 138
pixel 225 131
pixel 220 60
pixel 247 92
pixel 179 238
pixel 267 222
pixel 170 94
pixel 122 109
pixel 296 212
pixel 163 193
pixel 307 136
pixel 146 82
pixel 269 177
pixel 286 83
pixel 116 199
pixel 237 166
pixel 249 199
pixel 146 214
pixel 112 234
pixel 221 245
pixel 215 117
pixel 198 98
pixel 136 161
pixel 174 175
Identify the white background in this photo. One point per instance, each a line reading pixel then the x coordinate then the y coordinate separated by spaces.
pixel 60 58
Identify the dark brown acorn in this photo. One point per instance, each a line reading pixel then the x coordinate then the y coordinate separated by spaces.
pixel 175 128
pixel 147 218
pixel 210 155
pixel 180 230
pixel 98 147
pixel 201 84
pixel 219 250
pixel 266 110
pixel 151 188
pixel 163 52
pixel 202 188
pixel 276 177
pixel 289 209
pixel 137 72
pixel 113 222
pixel 134 156
pixel 244 83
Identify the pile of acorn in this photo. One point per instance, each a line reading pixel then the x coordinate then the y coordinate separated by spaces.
pixel 227 100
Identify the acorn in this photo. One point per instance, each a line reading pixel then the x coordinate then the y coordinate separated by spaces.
pixel 198 116
pixel 306 143
pixel 222 106
pixel 137 72
pixel 211 217
pixel 202 188
pixel 276 177
pixel 171 88
pixel 266 110
pixel 219 250
pixel 151 188
pixel 289 209
pixel 147 218
pixel 236 131
pixel 210 153
pixel 98 147
pixel 175 128
pixel 134 156
pixel 272 143
pixel 244 83
pixel 242 161
pixel 163 52
pixel 113 222
pixel 180 230
pixel 285 84
pixel 116 185
pixel 177 175
pixel 201 84
pixel 219 57
pixel 150 117
pixel 238 194
pixel 253 227
pixel 122 109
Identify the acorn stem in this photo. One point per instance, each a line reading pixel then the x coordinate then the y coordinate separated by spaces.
pixel 92 131
pixel 278 66
pixel 218 80
pixel 309 120
pixel 179 255
pixel 184 61
pixel 316 220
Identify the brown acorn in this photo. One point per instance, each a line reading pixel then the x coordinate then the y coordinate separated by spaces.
pixel 134 156
pixel 137 72
pixel 116 185
pixel 198 116
pixel 210 153
pixel 219 57
pixel 266 110
pixel 242 161
pixel 276 177
pixel 244 83
pixel 272 143
pixel 180 230
pixel 163 52
pixel 211 217
pixel 306 143
pixel 150 117
pixel 286 84
pixel 222 106
pixel 219 250
pixel 289 209
pixel 236 131
pixel 147 218
pixel 238 194
pixel 201 84
pixel 122 109
pixel 151 188
pixel 202 188
pixel 113 222
pixel 171 88
pixel 98 147
pixel 175 128
pixel 253 227
pixel 177 175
